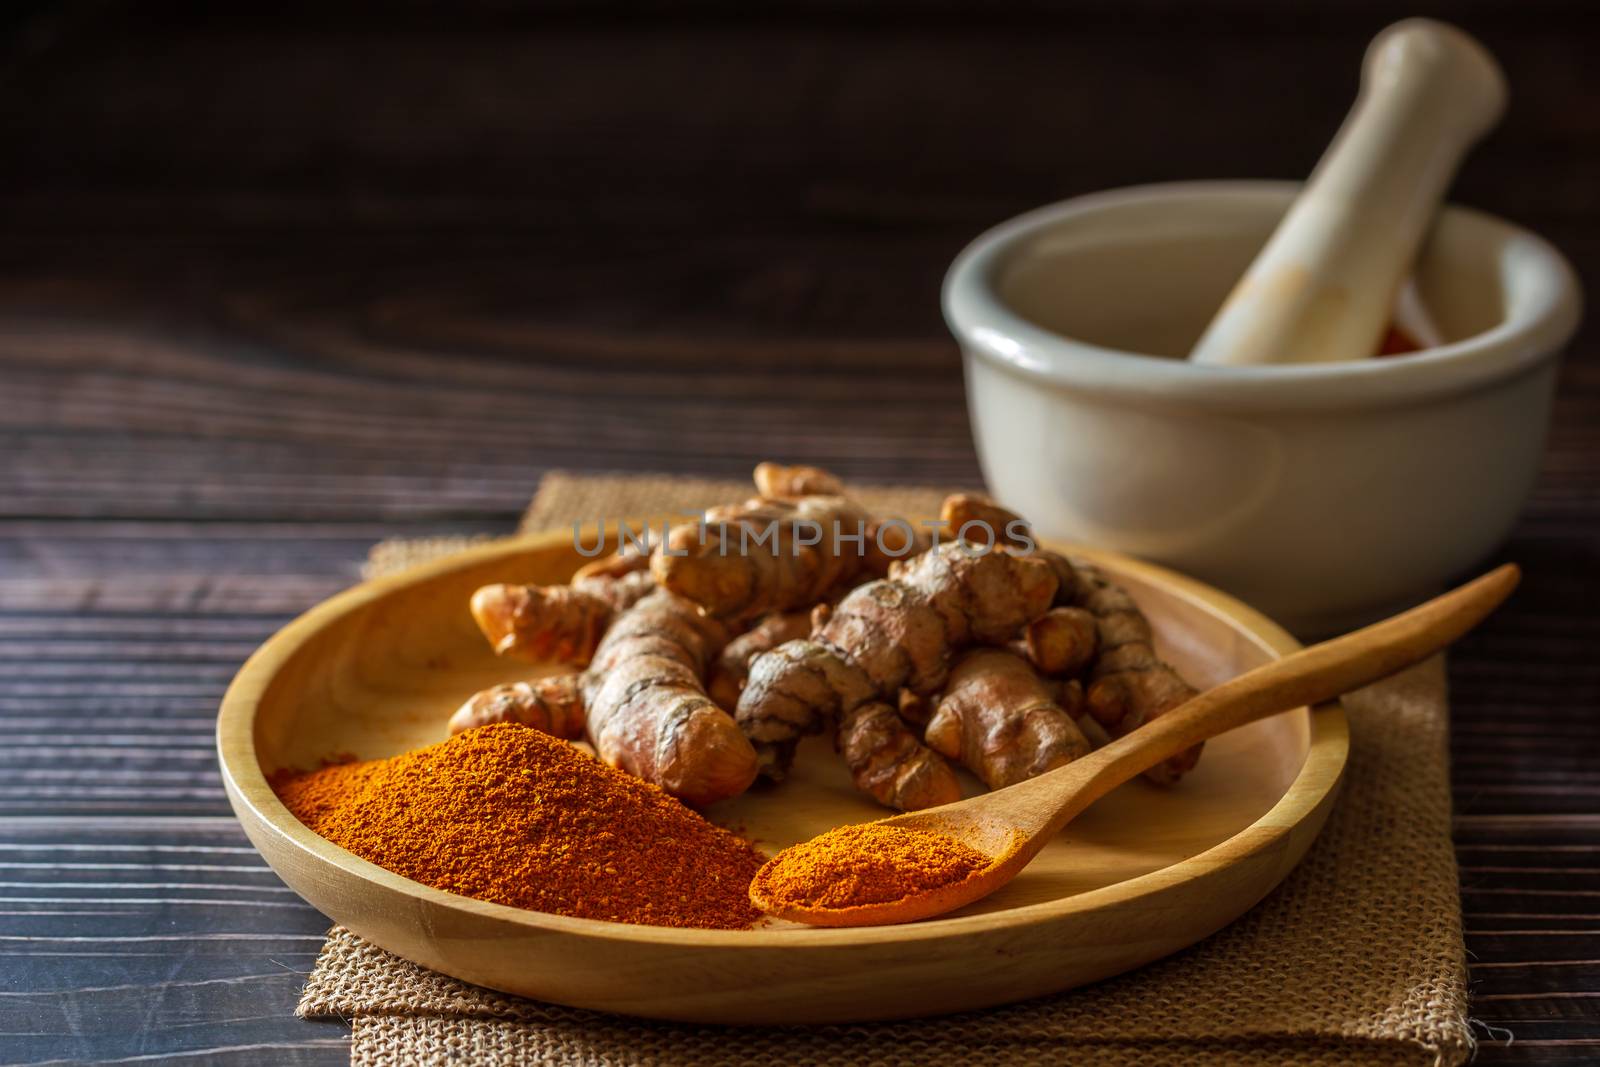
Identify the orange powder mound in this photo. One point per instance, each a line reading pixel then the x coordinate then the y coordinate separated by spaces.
pixel 868 864
pixel 509 814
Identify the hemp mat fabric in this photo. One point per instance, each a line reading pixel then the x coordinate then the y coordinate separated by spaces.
pixel 1356 958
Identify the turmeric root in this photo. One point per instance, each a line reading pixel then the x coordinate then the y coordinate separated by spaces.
pixel 999 720
pixel 1098 738
pixel 640 702
pixel 980 521
pixel 895 633
pixel 1129 684
pixel 763 555
pixel 560 623
pixel 778 482
pixel 552 705
pixel 732 665
pixel 647 712
pixel 1061 641
pixel 887 539
pixel 916 708
pixel 889 764
pixel 629 559
pixel 1068 693
pixel 1094 620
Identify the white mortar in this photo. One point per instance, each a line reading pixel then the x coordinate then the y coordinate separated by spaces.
pixel 1323 494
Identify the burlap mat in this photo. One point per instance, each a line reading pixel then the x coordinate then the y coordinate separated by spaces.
pixel 1356 958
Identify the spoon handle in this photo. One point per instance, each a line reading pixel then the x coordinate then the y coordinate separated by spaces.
pixel 1311 676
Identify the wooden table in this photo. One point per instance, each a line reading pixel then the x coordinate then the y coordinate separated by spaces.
pixel 277 286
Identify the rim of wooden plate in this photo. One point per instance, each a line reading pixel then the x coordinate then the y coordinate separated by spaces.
pixel 247 785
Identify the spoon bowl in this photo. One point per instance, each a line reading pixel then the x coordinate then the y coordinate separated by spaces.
pixel 1011 825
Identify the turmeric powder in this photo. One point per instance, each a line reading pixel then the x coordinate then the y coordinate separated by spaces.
pixel 872 863
pixel 511 815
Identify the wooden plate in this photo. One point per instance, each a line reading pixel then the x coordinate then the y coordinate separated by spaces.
pixel 1145 872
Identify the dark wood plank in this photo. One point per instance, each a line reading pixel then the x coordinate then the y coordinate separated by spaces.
pixel 130 937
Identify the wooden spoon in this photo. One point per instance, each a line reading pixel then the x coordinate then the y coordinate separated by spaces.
pixel 1324 286
pixel 1011 825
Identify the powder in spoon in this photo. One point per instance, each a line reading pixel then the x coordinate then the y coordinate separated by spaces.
pixel 509 814
pixel 873 863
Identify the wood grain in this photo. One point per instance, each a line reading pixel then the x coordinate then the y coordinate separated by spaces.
pixel 279 282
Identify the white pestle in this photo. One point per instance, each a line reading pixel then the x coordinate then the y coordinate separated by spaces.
pixel 1324 286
